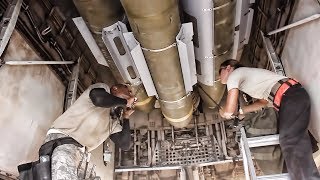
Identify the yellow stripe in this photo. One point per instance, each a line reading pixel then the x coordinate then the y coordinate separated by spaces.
pixel 179 119
pixel 144 102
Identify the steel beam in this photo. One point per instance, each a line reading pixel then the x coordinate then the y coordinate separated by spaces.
pixel 284 176
pixel 19 63
pixel 298 23
pixel 8 23
pixel 273 57
pixel 246 155
pixel 263 141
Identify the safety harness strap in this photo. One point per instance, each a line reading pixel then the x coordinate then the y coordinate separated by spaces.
pixel 48 147
pixel 279 89
pixel 45 149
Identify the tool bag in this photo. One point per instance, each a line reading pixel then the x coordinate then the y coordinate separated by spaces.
pixel 41 169
pixel 268 158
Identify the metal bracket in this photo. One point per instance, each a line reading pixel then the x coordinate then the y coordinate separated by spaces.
pixel 273 57
pixel 235 44
pixel 71 94
pixel 88 38
pixel 202 14
pixel 114 40
pixel 140 63
pixel 186 54
pixel 249 26
pixel 238 13
pixel 8 23
pixel 246 143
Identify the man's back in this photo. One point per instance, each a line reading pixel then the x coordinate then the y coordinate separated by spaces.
pixel 86 123
pixel 255 82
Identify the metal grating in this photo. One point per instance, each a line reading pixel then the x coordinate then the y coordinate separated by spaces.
pixel 187 151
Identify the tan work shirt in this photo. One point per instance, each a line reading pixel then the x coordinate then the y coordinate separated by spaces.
pixel 86 123
pixel 255 82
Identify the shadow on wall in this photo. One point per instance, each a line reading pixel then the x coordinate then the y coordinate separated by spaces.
pixel 31 98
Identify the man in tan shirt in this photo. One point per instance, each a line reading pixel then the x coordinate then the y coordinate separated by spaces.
pixel 88 121
pixel 84 126
pixel 288 97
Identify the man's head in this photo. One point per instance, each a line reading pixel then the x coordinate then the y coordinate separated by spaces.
pixel 121 91
pixel 226 68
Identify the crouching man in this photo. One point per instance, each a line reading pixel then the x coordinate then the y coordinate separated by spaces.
pixel 291 101
pixel 87 123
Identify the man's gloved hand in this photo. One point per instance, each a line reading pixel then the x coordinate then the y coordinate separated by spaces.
pixel 131 101
pixel 123 91
pixel 130 107
pixel 226 115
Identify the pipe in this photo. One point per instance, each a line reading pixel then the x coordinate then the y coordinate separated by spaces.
pixel 211 20
pixel 216 91
pixel 224 19
pixel 198 12
pixel 103 13
pixel 155 26
pixel 223 30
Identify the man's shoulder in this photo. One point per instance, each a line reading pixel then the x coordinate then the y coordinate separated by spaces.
pixel 238 75
pixel 248 71
pixel 85 94
pixel 239 72
pixel 100 85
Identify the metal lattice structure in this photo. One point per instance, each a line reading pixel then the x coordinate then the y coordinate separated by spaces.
pixel 187 152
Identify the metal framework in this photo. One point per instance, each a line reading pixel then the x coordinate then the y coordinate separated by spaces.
pixel 8 23
pixel 246 144
pixel 203 143
pixel 274 59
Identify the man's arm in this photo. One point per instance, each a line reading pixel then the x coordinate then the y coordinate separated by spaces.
pixel 123 138
pixel 101 98
pixel 231 105
pixel 256 106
